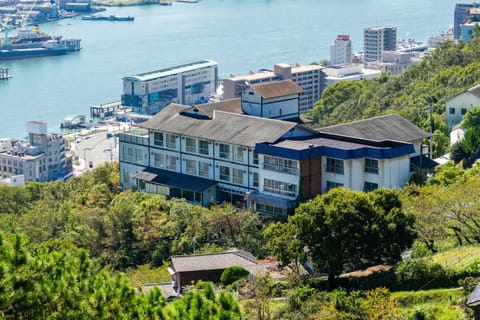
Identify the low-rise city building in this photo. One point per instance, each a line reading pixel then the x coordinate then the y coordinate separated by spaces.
pixel 309 77
pixel 40 158
pixel 349 72
pixel 392 61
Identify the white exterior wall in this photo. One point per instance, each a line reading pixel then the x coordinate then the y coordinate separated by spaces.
pixel 275 108
pixel 392 173
pixel 251 103
pixel 465 101
pixel 127 171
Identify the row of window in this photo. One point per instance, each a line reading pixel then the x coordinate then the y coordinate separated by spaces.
pixel 367 186
pixel 280 165
pixel 226 151
pixel 463 111
pixel 200 168
pixel 337 166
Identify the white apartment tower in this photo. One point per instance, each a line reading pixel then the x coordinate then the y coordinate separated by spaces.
pixel 341 50
pixel 378 39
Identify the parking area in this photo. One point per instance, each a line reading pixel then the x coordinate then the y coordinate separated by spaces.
pixel 93 150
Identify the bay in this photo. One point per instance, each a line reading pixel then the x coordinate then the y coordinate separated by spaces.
pixel 241 35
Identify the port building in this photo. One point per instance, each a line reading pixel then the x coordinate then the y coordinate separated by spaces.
pixel 309 77
pixel 187 84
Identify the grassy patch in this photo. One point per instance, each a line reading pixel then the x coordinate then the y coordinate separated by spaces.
pixel 456 258
pixel 439 304
pixel 147 274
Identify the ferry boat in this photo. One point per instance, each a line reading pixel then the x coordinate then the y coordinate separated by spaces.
pixel 31 43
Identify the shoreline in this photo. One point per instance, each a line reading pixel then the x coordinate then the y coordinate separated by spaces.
pixel 131 3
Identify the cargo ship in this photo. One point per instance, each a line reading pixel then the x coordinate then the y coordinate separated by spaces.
pixel 99 17
pixel 33 43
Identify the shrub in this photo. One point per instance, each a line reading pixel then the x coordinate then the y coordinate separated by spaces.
pixel 232 274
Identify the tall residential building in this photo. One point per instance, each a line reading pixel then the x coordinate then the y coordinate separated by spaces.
pixel 310 78
pixel 341 50
pixel 187 84
pixel 461 13
pixel 378 39
pixel 40 158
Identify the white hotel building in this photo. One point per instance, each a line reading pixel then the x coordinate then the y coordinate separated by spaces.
pixel 214 152
pixel 187 84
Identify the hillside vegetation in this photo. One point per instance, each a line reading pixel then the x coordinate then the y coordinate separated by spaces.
pixel 447 71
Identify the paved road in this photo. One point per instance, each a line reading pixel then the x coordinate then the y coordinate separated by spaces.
pixel 97 149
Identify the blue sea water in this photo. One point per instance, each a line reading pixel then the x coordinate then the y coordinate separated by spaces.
pixel 241 35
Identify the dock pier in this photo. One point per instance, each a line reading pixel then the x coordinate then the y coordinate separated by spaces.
pixel 105 110
pixel 4 75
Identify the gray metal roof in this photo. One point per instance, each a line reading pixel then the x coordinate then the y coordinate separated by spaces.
pixel 389 127
pixel 475 91
pixel 277 89
pixel 174 179
pixel 229 105
pixel 213 261
pixel 474 299
pixel 223 126
pixel 147 76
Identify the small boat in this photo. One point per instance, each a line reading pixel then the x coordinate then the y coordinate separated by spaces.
pixel 107 18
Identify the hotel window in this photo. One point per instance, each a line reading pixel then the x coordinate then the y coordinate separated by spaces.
pixel 158 139
pixel 451 110
pixel 335 165
pixel 280 165
pixel 255 179
pixel 279 187
pixel 127 154
pixel 158 160
pixel 171 163
pixel 463 111
pixel 191 166
pixel 203 169
pixel 333 185
pixel 203 147
pixel 237 176
pixel 238 153
pixel 191 145
pixel 371 165
pixel 171 141
pixel 255 158
pixel 224 151
pixel 369 186
pixel 224 173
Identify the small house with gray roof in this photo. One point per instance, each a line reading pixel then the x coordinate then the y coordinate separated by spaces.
pixel 457 106
pixel 188 269
pixel 210 154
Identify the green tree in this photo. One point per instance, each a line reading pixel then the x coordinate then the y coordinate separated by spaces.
pixel 232 274
pixel 346 229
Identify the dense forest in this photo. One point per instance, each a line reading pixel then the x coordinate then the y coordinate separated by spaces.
pixel 83 248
